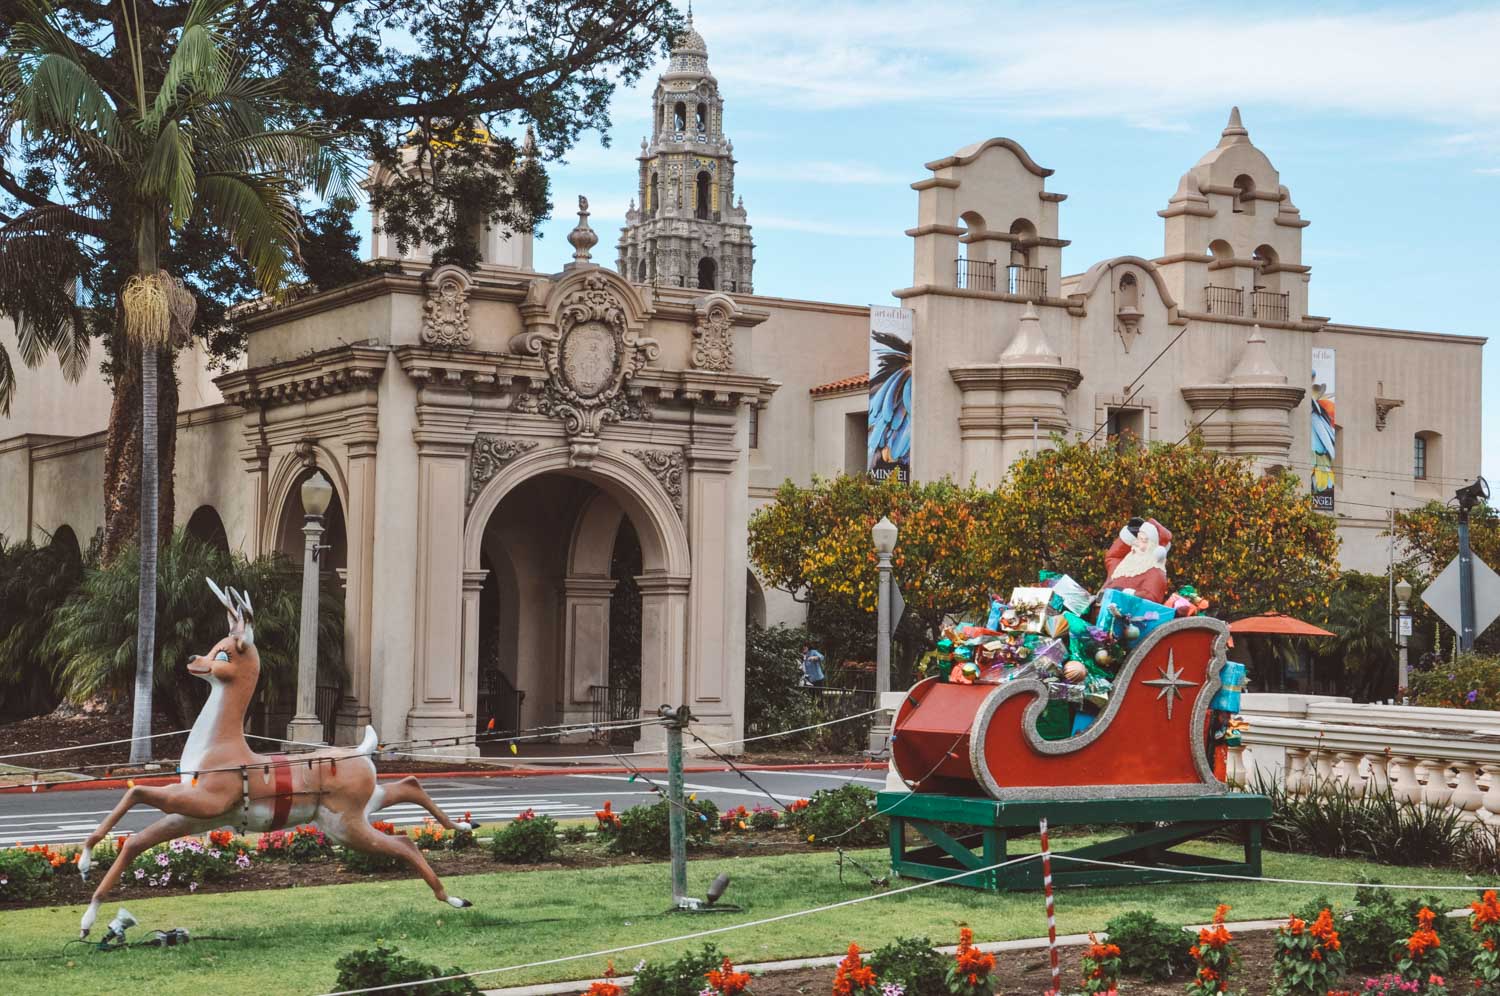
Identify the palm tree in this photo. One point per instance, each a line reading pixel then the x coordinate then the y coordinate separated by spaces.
pixel 205 135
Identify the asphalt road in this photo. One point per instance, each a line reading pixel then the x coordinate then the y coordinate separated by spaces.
pixel 68 817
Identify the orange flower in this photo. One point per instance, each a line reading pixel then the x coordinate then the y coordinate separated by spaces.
pixel 1295 925
pixel 728 982
pixel 603 989
pixel 1487 910
pixel 220 838
pixel 853 975
pixel 1324 931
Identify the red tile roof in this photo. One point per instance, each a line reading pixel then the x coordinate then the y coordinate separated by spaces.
pixel 839 386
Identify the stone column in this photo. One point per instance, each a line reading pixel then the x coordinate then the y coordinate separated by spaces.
pixel 664 625
pixel 442 704
pixel 359 532
pixel 473 585
pixel 716 513
pixel 256 460
pixel 585 645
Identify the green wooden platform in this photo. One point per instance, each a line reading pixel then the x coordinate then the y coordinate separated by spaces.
pixel 1154 826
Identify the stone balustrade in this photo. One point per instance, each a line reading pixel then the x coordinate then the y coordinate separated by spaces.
pixel 1437 757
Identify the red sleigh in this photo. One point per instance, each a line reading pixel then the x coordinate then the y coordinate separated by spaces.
pixel 1149 740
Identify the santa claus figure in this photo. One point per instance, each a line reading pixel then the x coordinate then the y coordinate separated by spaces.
pixel 1137 559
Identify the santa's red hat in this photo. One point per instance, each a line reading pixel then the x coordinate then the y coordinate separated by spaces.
pixel 1163 535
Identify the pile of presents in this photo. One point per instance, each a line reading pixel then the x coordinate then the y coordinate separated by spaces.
pixel 1074 642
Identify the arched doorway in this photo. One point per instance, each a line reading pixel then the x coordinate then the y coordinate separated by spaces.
pixel 206 527
pixel 587 612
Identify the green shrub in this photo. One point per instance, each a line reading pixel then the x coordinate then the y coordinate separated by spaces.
pixel 683 977
pixel 24 874
pixel 363 863
pixel 1381 920
pixel 526 842
pixel 1472 681
pixel 34 583
pixel 462 840
pixel 383 966
pixel 1338 820
pixel 911 963
pixel 644 829
pixel 94 630
pixel 843 817
pixel 774 699
pixel 1149 949
pixel 764 818
pixel 574 833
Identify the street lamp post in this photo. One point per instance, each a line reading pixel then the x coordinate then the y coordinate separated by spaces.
pixel 1403 630
pixel 884 537
pixel 305 726
pixel 1468 496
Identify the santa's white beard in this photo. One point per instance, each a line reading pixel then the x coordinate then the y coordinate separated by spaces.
pixel 1136 563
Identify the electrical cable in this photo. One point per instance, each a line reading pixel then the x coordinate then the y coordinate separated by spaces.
pixel 1274 881
pixel 736 769
pixel 102 743
pixel 711 932
pixel 1138 383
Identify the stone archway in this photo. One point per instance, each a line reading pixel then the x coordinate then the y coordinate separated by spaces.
pixel 559 526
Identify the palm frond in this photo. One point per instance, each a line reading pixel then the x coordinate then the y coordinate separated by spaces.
pixel 259 215
pixel 167 176
pixel 198 61
pixel 7 382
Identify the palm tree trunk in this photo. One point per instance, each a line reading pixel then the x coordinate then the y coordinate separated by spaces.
pixel 145 638
pixel 145 634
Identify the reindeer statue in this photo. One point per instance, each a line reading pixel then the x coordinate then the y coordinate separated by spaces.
pixel 224 783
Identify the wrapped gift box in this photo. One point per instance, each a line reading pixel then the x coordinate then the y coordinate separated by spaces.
pixel 1030 607
pixel 1232 678
pixel 1116 609
pixel 1070 596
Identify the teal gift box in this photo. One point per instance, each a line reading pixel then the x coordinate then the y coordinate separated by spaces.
pixel 1232 682
pixel 1116 609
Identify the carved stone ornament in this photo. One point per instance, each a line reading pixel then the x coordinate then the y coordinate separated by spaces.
pixel 445 315
pixel 590 361
pixel 1383 408
pixel 307 452
pixel 713 339
pixel 489 454
pixel 666 467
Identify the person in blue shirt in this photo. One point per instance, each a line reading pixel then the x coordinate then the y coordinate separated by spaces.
pixel 812 666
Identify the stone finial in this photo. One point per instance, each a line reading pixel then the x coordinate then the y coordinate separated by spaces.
pixel 582 238
pixel 1188 190
pixel 1029 346
pixel 1235 130
pixel 1256 366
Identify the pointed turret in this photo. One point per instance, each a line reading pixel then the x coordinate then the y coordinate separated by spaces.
pixel 1029 346
pixel 1235 131
pixel 1256 365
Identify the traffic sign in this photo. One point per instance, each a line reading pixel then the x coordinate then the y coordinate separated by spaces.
pixel 1442 595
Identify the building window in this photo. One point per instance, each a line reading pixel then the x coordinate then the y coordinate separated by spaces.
pixel 704 195
pixel 701 119
pixel 679 116
pixel 708 272
pixel 1125 426
pixel 1427 456
pixel 754 428
pixel 1244 197
pixel 1130 292
pixel 1419 457
pixel 856 439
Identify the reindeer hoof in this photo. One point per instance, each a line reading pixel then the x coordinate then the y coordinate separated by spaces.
pixel 85 861
pixel 459 904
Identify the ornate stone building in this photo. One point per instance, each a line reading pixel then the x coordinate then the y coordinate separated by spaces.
pixel 689 231
pixel 543 480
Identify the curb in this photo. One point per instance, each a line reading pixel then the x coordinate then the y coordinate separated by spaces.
pixel 828 961
pixel 560 769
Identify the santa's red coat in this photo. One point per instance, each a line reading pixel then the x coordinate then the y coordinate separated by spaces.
pixel 1152 585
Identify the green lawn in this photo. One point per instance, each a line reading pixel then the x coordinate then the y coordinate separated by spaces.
pixel 289 939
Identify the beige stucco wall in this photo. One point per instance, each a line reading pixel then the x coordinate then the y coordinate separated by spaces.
pixel 46 402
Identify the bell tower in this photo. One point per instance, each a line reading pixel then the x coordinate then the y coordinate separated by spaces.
pixel 688 230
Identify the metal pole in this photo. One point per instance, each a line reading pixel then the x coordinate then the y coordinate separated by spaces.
pixel 305 725
pixel 1051 912
pixel 676 803
pixel 880 730
pixel 1465 583
pixel 1403 612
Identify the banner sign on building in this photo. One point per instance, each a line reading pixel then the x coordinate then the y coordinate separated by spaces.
pixel 888 429
pixel 1324 431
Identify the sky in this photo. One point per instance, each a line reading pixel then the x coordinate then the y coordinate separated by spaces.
pixel 1384 121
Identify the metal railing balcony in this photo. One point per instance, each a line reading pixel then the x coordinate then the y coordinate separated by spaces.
pixel 1026 281
pixel 974 274
pixel 1270 306
pixel 1223 300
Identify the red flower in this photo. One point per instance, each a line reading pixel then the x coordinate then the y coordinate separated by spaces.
pixel 728 982
pixel 852 976
pixel 1487 910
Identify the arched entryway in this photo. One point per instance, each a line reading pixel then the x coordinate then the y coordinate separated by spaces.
pixel 578 592
pixel 205 526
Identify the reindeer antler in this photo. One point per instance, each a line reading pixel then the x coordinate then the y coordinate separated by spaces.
pixel 238 610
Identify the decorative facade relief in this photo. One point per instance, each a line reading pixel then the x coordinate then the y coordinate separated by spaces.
pixel 666 466
pixel 490 453
pixel 591 355
pixel 713 338
pixel 445 315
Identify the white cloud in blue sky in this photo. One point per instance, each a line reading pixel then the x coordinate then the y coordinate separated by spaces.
pixel 1383 120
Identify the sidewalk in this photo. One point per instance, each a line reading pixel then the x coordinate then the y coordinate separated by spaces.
pixel 828 961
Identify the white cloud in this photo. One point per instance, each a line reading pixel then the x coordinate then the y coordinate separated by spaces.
pixel 1141 64
pixel 1488 171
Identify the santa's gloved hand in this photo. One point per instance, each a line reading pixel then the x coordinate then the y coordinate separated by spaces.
pixel 1135 524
